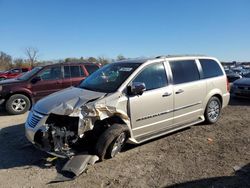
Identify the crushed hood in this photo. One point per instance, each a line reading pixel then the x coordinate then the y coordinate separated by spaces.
pixel 66 101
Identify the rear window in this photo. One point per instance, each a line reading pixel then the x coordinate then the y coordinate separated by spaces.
pixel 184 71
pixel 210 68
pixel 91 68
pixel 73 72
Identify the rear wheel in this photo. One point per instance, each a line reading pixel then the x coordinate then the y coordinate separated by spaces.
pixel 17 104
pixel 111 141
pixel 213 110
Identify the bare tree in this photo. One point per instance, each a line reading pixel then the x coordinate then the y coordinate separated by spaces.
pixel 32 54
pixel 120 57
pixel 18 62
pixel 5 61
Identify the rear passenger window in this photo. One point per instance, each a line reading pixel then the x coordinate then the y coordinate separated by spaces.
pixel 73 71
pixel 91 68
pixel 154 76
pixel 210 68
pixel 184 71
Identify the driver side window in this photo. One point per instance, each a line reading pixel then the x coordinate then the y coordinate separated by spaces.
pixel 53 73
pixel 153 76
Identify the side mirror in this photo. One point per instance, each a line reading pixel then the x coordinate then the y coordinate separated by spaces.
pixel 136 88
pixel 35 79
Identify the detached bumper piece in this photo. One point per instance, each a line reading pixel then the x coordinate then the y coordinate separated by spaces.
pixel 75 166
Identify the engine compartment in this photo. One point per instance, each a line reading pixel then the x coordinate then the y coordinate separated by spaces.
pixel 60 135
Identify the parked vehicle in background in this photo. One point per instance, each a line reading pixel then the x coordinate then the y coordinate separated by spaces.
pixel 131 100
pixel 241 87
pixel 240 71
pixel 20 93
pixel 13 73
pixel 232 76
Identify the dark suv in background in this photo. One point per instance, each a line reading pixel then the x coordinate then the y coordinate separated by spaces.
pixel 20 93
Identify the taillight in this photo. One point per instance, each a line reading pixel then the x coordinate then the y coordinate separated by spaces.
pixel 228 86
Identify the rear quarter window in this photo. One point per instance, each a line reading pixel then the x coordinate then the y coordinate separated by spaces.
pixel 91 68
pixel 210 68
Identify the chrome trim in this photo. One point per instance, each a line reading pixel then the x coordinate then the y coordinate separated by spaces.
pixel 154 115
pixel 168 111
pixel 187 106
pixel 33 119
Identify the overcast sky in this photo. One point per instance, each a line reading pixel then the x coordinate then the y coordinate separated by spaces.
pixel 133 28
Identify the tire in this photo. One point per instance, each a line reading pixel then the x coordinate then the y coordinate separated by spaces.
pixel 107 142
pixel 17 104
pixel 213 110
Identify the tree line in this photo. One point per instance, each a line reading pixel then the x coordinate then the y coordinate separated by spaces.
pixel 32 59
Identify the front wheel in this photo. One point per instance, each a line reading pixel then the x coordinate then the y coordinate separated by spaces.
pixel 213 110
pixel 111 141
pixel 17 104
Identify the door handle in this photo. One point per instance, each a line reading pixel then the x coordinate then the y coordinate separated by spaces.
pixel 179 91
pixel 166 94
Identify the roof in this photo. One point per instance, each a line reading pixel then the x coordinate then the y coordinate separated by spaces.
pixel 69 63
pixel 143 60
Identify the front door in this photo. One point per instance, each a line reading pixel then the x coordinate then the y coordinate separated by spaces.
pixel 151 112
pixel 51 81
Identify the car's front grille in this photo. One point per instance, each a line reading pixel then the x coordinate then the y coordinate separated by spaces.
pixel 34 119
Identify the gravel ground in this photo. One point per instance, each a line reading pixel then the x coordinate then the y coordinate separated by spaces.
pixel 200 156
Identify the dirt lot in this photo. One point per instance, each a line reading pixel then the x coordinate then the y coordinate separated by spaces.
pixel 201 156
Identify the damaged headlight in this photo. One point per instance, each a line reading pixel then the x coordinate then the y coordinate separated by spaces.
pixel 85 110
pixel 88 111
pixel 80 112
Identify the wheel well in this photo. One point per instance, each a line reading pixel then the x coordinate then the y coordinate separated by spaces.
pixel 101 125
pixel 219 97
pixel 21 93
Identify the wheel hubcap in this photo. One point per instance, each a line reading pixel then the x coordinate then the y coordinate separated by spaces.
pixel 18 105
pixel 118 144
pixel 213 110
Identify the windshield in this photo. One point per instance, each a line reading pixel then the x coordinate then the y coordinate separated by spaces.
pixel 109 78
pixel 28 74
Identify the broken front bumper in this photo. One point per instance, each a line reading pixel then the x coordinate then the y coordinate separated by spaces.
pixel 54 134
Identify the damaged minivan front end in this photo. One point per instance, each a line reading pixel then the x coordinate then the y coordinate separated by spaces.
pixel 64 122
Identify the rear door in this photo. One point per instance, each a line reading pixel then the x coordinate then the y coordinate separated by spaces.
pixel 152 111
pixel 51 81
pixel 189 90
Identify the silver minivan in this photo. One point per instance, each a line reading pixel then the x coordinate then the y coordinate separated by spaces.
pixel 129 101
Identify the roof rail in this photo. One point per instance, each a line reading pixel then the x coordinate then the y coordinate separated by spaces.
pixel 182 55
